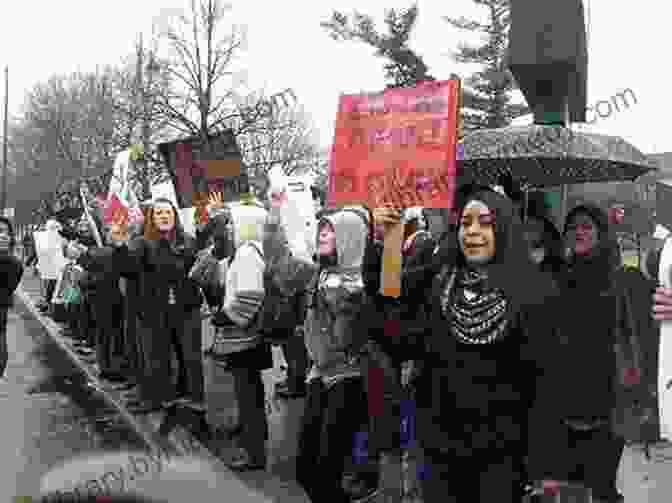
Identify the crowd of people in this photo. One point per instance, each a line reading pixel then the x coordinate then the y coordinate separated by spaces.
pixel 516 340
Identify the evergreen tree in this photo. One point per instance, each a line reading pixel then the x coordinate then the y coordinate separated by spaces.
pixel 490 88
pixel 403 67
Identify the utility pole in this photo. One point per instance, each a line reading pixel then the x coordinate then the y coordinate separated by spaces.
pixel 3 196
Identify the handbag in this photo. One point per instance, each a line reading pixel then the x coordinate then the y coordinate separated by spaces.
pixel 72 296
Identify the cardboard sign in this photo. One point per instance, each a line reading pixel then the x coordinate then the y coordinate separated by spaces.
pixel 199 168
pixel 397 148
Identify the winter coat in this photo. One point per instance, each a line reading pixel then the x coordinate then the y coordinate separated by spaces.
pixel 100 280
pixel 498 397
pixel 11 271
pixel 160 265
pixel 338 310
pixel 597 330
pixel 238 322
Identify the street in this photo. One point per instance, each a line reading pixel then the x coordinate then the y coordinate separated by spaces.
pixel 50 415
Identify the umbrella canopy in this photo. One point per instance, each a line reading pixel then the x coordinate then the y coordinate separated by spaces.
pixel 550 156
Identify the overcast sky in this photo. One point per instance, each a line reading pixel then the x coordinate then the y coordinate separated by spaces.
pixel 288 49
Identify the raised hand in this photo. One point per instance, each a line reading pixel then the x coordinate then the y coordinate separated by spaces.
pixel 215 201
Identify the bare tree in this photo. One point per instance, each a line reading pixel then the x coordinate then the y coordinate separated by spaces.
pixel 285 137
pixel 66 126
pixel 69 118
pixel 139 83
pixel 200 60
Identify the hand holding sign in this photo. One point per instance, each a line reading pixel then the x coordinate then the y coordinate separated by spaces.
pixel 387 216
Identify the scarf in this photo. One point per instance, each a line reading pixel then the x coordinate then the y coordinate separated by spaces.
pixel 477 313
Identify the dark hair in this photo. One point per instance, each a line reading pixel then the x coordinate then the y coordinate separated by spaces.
pixel 10 228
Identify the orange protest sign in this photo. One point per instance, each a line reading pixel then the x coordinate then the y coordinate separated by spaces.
pixel 397 148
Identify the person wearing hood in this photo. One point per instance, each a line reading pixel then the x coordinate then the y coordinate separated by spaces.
pixel 488 360
pixel 161 260
pixel 11 270
pixel 336 331
pixel 335 335
pixel 595 323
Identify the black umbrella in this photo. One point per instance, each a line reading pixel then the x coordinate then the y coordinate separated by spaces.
pixel 550 156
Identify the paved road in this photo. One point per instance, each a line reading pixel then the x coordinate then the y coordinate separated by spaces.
pixel 49 414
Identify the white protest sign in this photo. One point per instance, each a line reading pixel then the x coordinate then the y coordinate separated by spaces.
pixel 295 212
pixel 301 198
pixel 165 190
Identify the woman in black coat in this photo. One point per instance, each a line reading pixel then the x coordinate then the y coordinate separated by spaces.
pixel 11 271
pixel 589 441
pixel 488 360
pixel 171 301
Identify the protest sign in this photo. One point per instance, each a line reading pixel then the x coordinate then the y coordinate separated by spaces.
pixel 397 147
pixel 292 198
pixel 300 198
pixel 199 168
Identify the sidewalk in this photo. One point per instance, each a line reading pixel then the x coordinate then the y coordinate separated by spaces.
pixel 276 484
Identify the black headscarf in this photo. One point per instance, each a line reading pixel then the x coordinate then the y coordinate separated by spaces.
pixel 511 269
pixel 597 270
pixel 554 261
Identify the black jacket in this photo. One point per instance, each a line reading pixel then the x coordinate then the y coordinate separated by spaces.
pixel 100 281
pixel 11 271
pixel 592 302
pixel 495 397
pixel 159 265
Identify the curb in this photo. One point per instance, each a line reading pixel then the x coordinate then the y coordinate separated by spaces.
pixel 52 329
pixel 149 432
